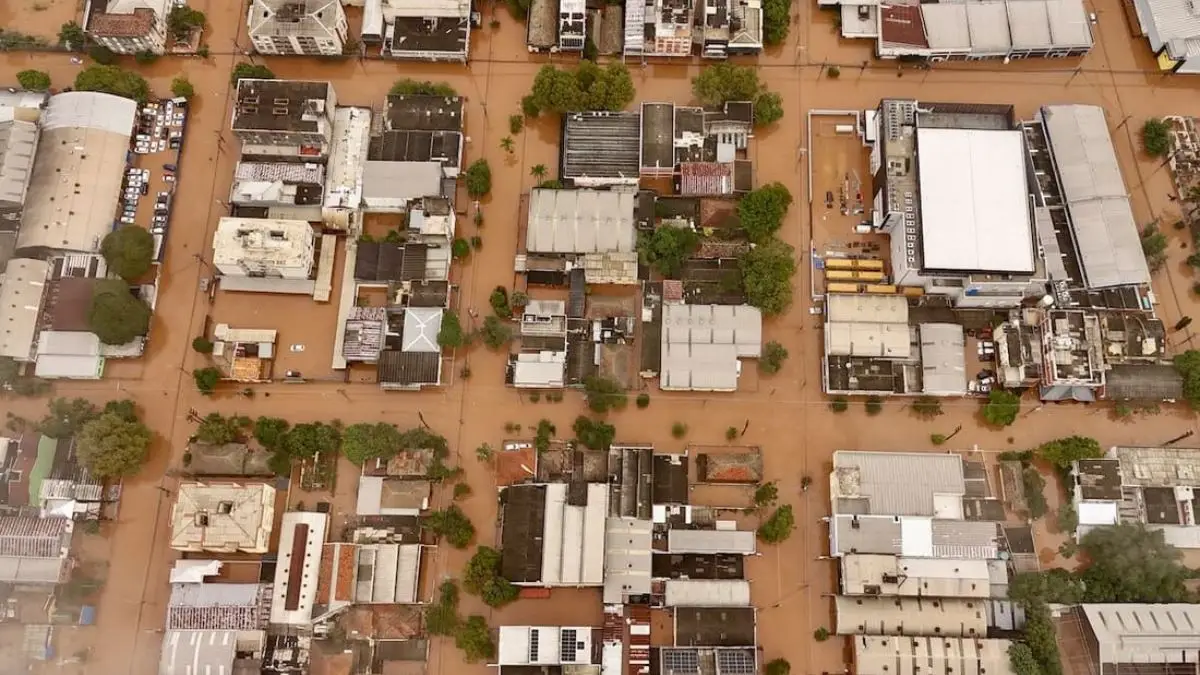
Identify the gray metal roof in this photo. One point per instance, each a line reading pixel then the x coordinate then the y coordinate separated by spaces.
pixel 1145 633
pixel 1172 23
pixel 895 483
pixel 199 651
pixel 701 345
pixel 943 359
pixel 580 221
pixel 627 558
pixel 946 25
pixel 421 328
pixel 1106 234
pixel 1029 25
pixel 987 24
pixel 952 617
pixel 1143 382
pixel 910 655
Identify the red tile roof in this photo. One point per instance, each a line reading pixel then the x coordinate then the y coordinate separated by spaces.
pixel 137 24
pixel 705 178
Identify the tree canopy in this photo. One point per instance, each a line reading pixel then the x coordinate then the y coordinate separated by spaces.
pixel 364 441
pixel 482 577
pixel 761 211
pixel 495 333
pixel 474 638
pixel 667 248
pixel 442 616
pixel 111 446
pixel 113 80
pixel 1021 658
pixel 181 86
pixel 778 667
pixel 217 429
pixel 927 407
pixel 1188 365
pixel 604 394
pixel 779 526
pixel 767 271
pixel 305 441
pixel 725 81
pixel 1061 452
pixel 768 108
pixel 250 71
pixel 129 251
pixel 183 19
pixel 452 524
pixel 1002 407
pixel 587 87
pixel 206 379
pixel 451 334
pixel 593 434
pixel 411 87
pixel 1156 137
pixel 71 36
pixel 124 408
pixel 773 356
pixel 34 80
pixel 478 178
pixel 1154 247
pixel 776 21
pixel 270 431
pixel 1129 563
pixel 66 416
pixel 115 315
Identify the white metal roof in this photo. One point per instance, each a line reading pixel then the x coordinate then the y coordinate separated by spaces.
pixel 308 567
pixel 974 200
pixel 898 484
pixel 21 292
pixel 707 593
pixel 421 328
pixel 544 645
pixel 711 541
pixel 394 570
pixel 580 221
pixel 885 340
pixel 627 558
pixel 1145 633
pixel 943 359
pixel 946 26
pixel 987 24
pixel 1106 234
pixel 863 308
pixel 539 369
pixel 1097 513
pixel 1029 24
pixel 909 655
pixel 1069 23
pixel 701 345
pixel 185 652
pixel 393 184
pixel 573 537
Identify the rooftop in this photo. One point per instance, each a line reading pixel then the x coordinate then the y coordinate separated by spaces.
pixel 580 221
pixel 930 656
pixel 547 645
pixel 222 517
pixel 711 541
pixel 297 572
pixel 210 651
pixel 410 112
pixel 601 146
pixel 701 345
pixel 707 661
pixel 385 261
pixel 707 593
pixel 21 296
pixel 137 23
pixel 715 627
pixel 218 606
pixel 627 558
pixel 1145 634
pixel 281 105
pixel 447 31
pixel 873 575
pixel 915 536
pixel 951 617
pixel 279 243
pixel 409 369
pixel 316 19
pixel 898 484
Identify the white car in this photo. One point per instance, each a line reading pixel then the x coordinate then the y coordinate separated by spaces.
pixel 158 229
pixel 170 178
pixel 127 221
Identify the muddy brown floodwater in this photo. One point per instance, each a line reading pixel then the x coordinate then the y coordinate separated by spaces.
pixel 786 414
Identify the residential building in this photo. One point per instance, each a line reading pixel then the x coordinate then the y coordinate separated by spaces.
pixel 279 184
pixel 223 517
pixel 77 175
pixel 284 120
pixel 659 28
pixel 368 573
pixel 1173 30
pixel 433 30
pixel 129 26
pixel 570 549
pixel 34 551
pixel 301 540
pixel 886 655
pixel 1161 637
pixel 542 360
pixel 419 128
pixel 951 192
pixel 308 27
pixel 1153 486
pixel 258 247
pixel 416 361
pixel 577 647
pixel 702 345
pixel 243 354
pixel 972 31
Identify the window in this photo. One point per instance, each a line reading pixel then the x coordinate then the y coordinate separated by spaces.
pixel 225 508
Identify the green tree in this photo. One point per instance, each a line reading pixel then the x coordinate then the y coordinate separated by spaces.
pixel 679 430
pixel 1055 585
pixel 1034 486
pixel 1129 563
pixel 1002 408
pixel 821 634
pixel 451 335
pixel 776 20
pixel 478 178
pixel 460 249
pixel 767 271
pixel 495 333
pixel 102 55
pixel 1156 137
pixel 1068 518
pixel 927 407
pixel 766 494
pixel 643 401
pixel 111 446
pixel 442 617
pixel 778 667
pixel 66 416
pixel 506 144
pixel 724 81
pixel 768 108
pixel 779 526
pixel 411 87
pixel 604 394
pixel 482 577
pixel 129 251
pixel 364 441
pixel 474 638
pixel 71 36
pixel 202 345
pixel 305 441
pixel 113 80
pixel 217 429
pixel 182 87
pixel 761 211
pixel 587 87
pixel 773 356
pixel 452 524
pixel 545 432
pixel 1188 366
pixel 1154 247
pixel 250 71
pixel 516 124
pixel 145 57
pixel 270 431
pixel 1040 635
pixel 182 20
pixel 874 405
pixel 667 248
pixel 206 379
pixel 1022 661
pixel 499 302
pixel 839 404
pixel 1061 452
pixel 938 439
pixel 538 171
pixel 594 434
pixel 34 80
pixel 115 315
pixel 124 408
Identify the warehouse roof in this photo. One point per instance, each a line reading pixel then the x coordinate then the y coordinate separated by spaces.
pixel 975 213
pixel 1105 232
pixel 20 303
pixel 930 577
pixel 898 483
pixel 711 541
pixel 580 221
pixel 931 656
pixel 627 558
pixel 863 308
pixel 601 147
pixel 952 617
pixel 943 359
pixel 701 345
pixel 916 536
pixel 1145 633
pixel 707 593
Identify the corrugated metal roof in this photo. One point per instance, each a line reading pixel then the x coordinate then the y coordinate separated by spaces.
pixel 701 345
pixel 1106 234
pixel 1029 25
pixel 628 558
pixel 580 221
pixel 951 617
pixel 1145 633
pixel 710 541
pixel 707 593
pixel 910 655
pixel 987 23
pixel 573 537
pixel 897 483
pixel 946 26
pixel 943 359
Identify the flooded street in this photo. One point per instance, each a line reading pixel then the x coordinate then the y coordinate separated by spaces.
pixel 786 414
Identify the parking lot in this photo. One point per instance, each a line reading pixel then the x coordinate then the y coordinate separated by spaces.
pixel 152 169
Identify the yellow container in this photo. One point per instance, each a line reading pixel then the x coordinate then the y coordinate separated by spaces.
pixel 838 264
pixel 881 289
pixel 842 288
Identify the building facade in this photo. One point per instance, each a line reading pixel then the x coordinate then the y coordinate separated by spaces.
pixel 129 26
pixel 297 27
